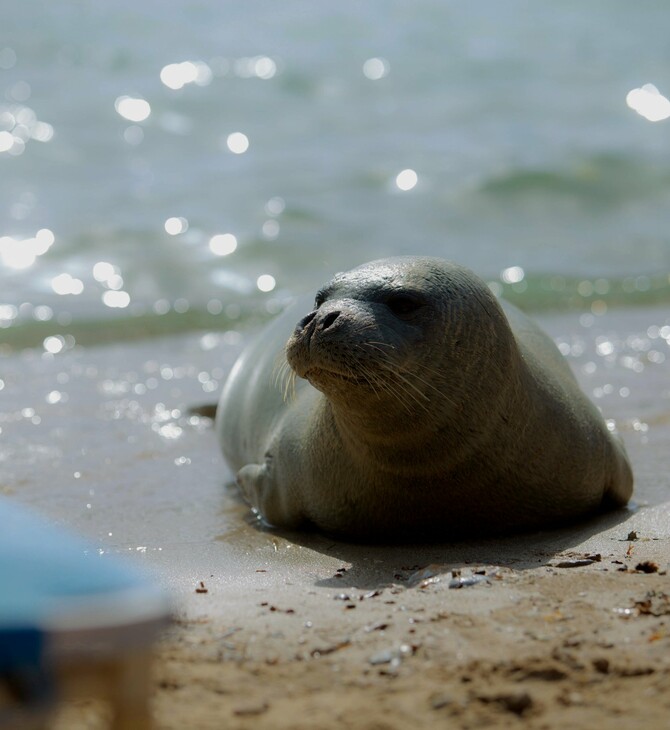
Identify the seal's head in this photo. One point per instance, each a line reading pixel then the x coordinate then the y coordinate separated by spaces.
pixel 403 332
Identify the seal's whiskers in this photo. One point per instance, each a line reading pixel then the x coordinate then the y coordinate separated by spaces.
pixel 283 377
pixel 401 392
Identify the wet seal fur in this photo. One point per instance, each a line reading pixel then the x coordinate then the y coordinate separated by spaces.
pixel 424 408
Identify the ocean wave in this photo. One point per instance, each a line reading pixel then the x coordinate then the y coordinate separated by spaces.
pixel 597 180
pixel 534 292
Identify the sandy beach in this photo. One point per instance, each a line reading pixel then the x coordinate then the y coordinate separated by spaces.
pixel 567 627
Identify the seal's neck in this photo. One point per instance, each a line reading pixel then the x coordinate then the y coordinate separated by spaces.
pixel 426 436
pixel 407 440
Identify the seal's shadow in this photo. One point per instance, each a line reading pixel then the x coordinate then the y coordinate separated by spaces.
pixel 371 566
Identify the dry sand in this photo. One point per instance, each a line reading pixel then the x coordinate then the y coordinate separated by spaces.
pixel 392 643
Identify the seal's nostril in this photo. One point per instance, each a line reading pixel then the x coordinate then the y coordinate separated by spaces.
pixel 305 321
pixel 329 319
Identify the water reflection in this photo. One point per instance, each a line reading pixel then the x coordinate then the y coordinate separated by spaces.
pixel 176 225
pixel 262 67
pixel 8 313
pixel 406 179
pixel 177 75
pixel 18 125
pixel 54 344
pixel 512 274
pixel 132 109
pixel 56 396
pixel 116 299
pixel 270 229
pixel 376 68
pixel 266 282
pixel 6 141
pixel 103 271
pixel 275 206
pixel 223 244
pixel 133 135
pixel 66 284
pixel 237 143
pixel 649 103
pixel 22 253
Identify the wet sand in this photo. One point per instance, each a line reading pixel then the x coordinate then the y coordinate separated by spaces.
pixel 562 628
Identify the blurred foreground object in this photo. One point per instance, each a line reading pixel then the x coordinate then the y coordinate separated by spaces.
pixel 72 625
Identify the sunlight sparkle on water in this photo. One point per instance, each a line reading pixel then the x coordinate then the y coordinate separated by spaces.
pixel 44 239
pixel 270 229
pixel 176 225
pixel 237 142
pixel 265 68
pixel 19 125
pixel 275 206
pixel 21 254
pixel 649 103
pixel 43 313
pixel 223 244
pixel 176 75
pixel 8 313
pixel 54 344
pixel 103 271
pixel 266 282
pixel 42 132
pixel 261 67
pixel 512 275
pixel 115 282
pixel 375 68
pixel 406 179
pixel 133 135
pixel 132 109
pixel 116 299
pixel 67 284
pixel 6 141
pixel 15 257
pixel 55 396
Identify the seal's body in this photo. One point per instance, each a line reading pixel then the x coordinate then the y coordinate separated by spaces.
pixel 424 407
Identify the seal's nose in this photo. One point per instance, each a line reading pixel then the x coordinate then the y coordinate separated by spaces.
pixel 305 321
pixel 316 321
pixel 328 320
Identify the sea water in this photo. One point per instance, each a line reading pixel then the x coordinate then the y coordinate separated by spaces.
pixel 170 166
pixel 183 168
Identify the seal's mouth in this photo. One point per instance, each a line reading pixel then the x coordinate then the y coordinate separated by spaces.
pixel 323 374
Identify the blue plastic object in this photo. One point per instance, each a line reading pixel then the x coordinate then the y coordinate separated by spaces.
pixel 60 599
pixel 43 568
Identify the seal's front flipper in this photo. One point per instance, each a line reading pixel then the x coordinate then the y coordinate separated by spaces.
pixel 272 502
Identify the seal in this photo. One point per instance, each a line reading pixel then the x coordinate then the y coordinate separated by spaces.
pixel 423 407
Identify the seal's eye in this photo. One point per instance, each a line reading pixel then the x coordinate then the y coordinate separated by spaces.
pixel 320 298
pixel 404 305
